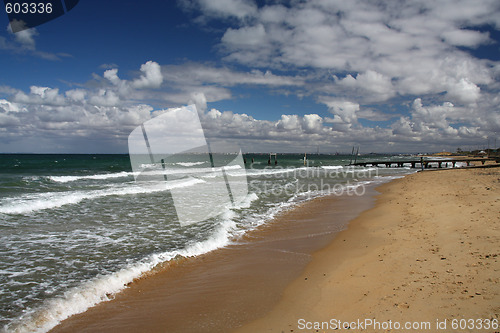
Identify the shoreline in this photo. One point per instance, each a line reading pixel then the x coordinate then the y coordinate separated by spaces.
pixel 235 284
pixel 373 269
pixel 427 253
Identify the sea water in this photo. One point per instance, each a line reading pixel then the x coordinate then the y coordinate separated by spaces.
pixel 76 229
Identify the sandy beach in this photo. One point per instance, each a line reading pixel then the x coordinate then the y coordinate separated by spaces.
pixel 426 252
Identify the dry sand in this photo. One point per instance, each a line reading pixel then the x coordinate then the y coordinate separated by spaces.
pixel 428 251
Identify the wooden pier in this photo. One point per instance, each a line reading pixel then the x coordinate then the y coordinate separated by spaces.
pixel 424 163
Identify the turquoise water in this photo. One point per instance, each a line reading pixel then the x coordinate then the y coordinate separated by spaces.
pixel 77 228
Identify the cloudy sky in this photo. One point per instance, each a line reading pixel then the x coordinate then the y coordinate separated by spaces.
pixel 287 76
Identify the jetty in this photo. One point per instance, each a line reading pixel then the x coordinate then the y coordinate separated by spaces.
pixel 423 163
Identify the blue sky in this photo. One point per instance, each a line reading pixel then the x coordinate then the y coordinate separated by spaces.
pixel 287 76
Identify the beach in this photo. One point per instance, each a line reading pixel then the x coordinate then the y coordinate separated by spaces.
pixel 77 230
pixel 427 252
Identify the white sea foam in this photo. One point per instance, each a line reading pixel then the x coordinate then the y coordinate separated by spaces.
pixel 79 299
pixel 264 172
pixel 188 164
pixel 32 203
pixel 102 288
pixel 247 201
pixel 329 167
pixel 65 179
pixel 158 171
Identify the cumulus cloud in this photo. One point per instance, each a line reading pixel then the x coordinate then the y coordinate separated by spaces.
pixel 105 97
pixel 6 106
pixel 439 123
pixel 406 66
pixel 464 91
pixel 151 76
pixel 40 95
pixel 378 86
pixel 396 53
pixel 289 122
pixel 388 49
pixel 112 76
pixel 98 115
pixel 344 110
pixel 77 95
pixel 312 123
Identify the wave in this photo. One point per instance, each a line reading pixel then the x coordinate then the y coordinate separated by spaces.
pixel 167 171
pixel 330 167
pixel 101 289
pixel 32 203
pixel 246 202
pixel 263 172
pixel 188 164
pixel 159 171
pixel 65 179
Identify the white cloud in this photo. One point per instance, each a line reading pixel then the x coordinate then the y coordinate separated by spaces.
pixel 227 8
pixel 466 38
pixel 289 122
pixel 246 37
pixel 403 127
pixel 200 100
pixel 40 95
pixel 464 91
pixel 214 114
pixel 345 110
pixel 408 55
pixel 151 77
pixel 390 49
pixel 23 42
pixel 431 117
pixel 99 115
pixel 6 106
pixel 378 86
pixel 312 123
pixel 25 37
pixel 77 95
pixel 105 97
pixel 8 120
pixel 199 74
pixel 112 76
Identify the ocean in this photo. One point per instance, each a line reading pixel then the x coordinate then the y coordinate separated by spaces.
pixel 76 229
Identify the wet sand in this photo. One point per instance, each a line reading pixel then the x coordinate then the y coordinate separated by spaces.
pixel 427 251
pixel 222 290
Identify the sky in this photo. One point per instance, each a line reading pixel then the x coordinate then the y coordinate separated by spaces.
pixel 286 76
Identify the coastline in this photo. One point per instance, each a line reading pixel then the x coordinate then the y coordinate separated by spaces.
pixel 402 260
pixel 427 252
pixel 223 289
